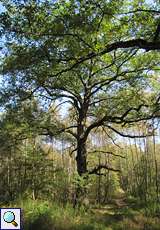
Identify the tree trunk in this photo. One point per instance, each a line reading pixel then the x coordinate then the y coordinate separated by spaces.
pixel 81 160
pixel 81 157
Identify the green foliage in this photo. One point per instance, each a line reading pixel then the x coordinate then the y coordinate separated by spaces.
pixel 44 215
pixel 64 52
pixel 47 41
pixel 83 182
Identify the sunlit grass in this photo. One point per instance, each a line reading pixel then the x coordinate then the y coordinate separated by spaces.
pixel 45 215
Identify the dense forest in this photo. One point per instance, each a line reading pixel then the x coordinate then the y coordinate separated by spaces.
pixel 80 113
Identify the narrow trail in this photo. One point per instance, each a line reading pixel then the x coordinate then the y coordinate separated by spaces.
pixel 120 202
pixel 112 212
pixel 122 214
pixel 116 204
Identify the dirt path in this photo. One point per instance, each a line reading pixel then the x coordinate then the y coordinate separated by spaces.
pixel 121 215
pixel 111 213
pixel 120 202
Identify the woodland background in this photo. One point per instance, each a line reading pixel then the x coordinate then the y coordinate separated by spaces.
pixel 79 121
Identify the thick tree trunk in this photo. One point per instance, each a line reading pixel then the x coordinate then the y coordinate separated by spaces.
pixel 81 160
pixel 81 169
pixel 81 157
pixel 81 142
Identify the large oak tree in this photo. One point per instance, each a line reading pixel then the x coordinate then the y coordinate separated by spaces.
pixel 99 57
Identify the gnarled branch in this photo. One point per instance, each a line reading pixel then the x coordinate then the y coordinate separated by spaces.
pixel 97 169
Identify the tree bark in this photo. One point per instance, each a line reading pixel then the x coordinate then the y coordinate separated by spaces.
pixel 81 157
pixel 81 160
pixel 81 138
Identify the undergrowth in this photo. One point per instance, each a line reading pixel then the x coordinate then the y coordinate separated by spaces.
pixel 45 215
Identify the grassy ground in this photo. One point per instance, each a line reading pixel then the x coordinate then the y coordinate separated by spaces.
pixel 43 215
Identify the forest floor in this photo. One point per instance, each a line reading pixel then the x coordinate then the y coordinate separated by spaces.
pixel 124 215
pixel 120 214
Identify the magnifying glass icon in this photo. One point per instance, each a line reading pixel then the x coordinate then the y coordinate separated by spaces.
pixel 9 217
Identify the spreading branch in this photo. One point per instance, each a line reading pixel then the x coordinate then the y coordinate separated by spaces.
pixel 127 135
pixel 134 43
pixel 110 153
pixel 114 119
pixel 142 10
pixel 97 169
pixel 52 133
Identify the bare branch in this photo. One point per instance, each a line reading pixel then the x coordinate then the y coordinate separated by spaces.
pixel 127 135
pixel 103 68
pixel 74 150
pixel 102 166
pixel 113 140
pixel 61 95
pixel 113 119
pixel 132 109
pixel 110 153
pixel 142 10
pixel 54 133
